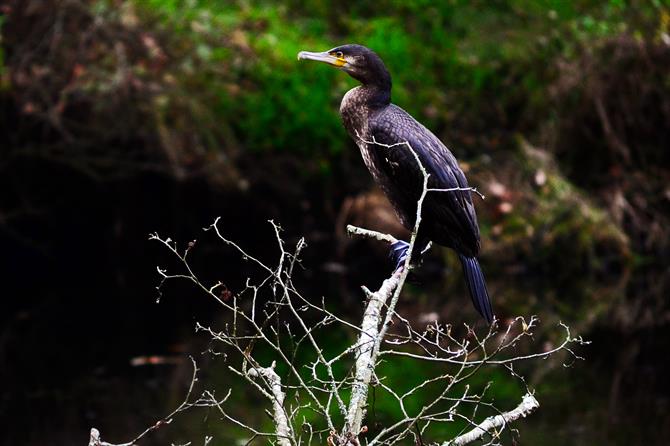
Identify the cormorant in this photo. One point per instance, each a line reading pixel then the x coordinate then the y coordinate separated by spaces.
pixel 448 218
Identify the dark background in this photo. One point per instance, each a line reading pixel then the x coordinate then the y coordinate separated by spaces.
pixel 124 118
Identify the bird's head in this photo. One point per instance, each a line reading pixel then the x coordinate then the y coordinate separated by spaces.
pixel 359 62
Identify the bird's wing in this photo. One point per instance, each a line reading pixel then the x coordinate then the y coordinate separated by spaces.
pixel 449 216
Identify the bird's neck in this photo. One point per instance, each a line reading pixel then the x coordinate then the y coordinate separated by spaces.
pixel 375 95
pixel 376 82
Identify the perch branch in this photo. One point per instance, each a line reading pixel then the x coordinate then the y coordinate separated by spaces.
pixel 373 330
pixel 365 351
pixel 355 231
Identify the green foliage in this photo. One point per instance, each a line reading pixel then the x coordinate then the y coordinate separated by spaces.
pixel 455 64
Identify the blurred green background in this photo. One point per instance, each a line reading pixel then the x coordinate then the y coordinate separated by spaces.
pixel 121 118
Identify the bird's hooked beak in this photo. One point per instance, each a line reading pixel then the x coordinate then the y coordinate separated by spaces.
pixel 325 57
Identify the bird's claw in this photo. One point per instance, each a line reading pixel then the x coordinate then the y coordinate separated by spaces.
pixel 399 253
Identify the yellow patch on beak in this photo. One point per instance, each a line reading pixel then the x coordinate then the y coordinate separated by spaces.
pixel 339 61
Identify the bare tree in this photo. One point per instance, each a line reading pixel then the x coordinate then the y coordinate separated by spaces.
pixel 326 397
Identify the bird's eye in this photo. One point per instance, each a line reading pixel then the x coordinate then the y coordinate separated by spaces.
pixel 339 55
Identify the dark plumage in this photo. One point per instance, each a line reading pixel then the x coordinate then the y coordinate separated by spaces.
pixel 448 218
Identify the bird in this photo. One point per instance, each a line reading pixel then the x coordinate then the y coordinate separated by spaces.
pixel 390 140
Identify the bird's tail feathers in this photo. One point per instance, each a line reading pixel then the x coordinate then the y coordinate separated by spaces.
pixel 474 278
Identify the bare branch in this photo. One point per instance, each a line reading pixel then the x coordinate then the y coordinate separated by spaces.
pixel 365 351
pixel 308 403
pixel 355 231
pixel 284 434
pixel 491 425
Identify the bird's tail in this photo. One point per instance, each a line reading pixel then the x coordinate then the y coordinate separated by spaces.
pixel 477 286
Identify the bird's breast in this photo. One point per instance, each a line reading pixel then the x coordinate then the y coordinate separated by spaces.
pixel 354 113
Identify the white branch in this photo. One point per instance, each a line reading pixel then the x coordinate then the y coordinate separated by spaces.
pixel 526 407
pixel 366 233
pixel 277 396
pixel 365 351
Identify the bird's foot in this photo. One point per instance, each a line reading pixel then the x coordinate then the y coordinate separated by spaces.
pixel 399 253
